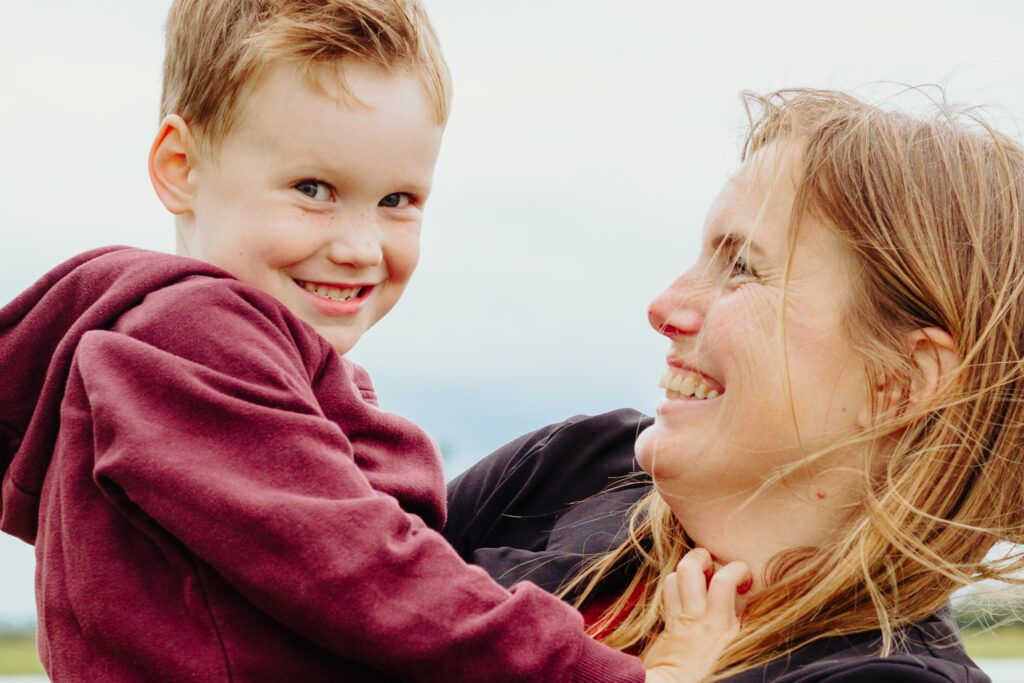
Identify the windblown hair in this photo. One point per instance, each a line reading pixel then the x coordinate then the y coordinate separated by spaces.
pixel 217 49
pixel 932 211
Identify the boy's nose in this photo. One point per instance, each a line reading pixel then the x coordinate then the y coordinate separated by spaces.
pixel 356 243
pixel 674 313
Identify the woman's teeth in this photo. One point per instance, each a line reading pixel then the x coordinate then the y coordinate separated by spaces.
pixel 676 386
pixel 334 293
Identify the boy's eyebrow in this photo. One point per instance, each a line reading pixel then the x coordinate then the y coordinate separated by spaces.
pixel 735 240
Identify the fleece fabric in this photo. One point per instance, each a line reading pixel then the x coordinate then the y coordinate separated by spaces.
pixel 214 495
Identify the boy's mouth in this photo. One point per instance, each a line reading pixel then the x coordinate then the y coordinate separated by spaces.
pixel 333 292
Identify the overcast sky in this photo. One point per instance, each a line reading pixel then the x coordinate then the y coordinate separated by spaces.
pixel 586 141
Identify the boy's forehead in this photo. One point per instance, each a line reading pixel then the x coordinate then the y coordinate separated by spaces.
pixel 300 82
pixel 382 123
pixel 283 92
pixel 349 84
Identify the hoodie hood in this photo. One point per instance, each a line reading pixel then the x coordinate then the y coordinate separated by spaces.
pixel 39 332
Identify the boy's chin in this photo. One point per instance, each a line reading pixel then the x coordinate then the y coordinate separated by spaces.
pixel 343 340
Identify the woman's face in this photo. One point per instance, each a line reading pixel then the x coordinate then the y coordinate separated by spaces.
pixel 779 376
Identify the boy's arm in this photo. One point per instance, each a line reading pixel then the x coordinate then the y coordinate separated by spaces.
pixel 207 427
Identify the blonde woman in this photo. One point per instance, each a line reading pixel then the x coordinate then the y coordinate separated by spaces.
pixel 843 411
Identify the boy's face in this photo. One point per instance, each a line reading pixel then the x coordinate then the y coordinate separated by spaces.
pixel 317 199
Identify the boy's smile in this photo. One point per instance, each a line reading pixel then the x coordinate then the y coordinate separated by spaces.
pixel 336 300
pixel 317 198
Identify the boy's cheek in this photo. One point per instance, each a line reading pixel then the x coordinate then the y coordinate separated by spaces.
pixel 404 259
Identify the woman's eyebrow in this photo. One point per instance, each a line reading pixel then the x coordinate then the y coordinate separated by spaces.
pixel 734 240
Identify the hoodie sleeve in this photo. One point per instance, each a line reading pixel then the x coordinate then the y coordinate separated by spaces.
pixel 207 426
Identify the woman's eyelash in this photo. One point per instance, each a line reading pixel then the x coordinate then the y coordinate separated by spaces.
pixel 731 251
pixel 739 266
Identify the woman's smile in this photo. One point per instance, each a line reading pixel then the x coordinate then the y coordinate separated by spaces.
pixel 688 385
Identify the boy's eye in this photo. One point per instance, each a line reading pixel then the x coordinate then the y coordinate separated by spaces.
pixel 395 200
pixel 314 189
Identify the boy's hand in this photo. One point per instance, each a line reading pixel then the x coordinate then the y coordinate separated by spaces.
pixel 700 608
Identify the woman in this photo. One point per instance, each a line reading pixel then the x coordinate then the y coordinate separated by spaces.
pixel 844 407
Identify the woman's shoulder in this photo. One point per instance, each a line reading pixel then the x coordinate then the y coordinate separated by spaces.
pixel 546 471
pixel 583 451
pixel 928 652
pixel 515 512
pixel 895 669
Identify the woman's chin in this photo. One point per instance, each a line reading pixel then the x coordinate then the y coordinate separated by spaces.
pixel 662 451
pixel 645 447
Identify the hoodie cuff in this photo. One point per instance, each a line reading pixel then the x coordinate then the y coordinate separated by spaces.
pixel 599 663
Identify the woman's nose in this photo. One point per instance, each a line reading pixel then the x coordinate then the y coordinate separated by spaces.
pixel 672 313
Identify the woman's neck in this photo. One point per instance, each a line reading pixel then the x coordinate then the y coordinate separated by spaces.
pixel 756 528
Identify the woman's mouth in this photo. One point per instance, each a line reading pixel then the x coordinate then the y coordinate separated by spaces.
pixel 689 387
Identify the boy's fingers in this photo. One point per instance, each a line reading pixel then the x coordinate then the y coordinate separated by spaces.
pixel 692 574
pixel 724 591
pixel 670 600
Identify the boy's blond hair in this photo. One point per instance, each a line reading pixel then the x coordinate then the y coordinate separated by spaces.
pixel 217 49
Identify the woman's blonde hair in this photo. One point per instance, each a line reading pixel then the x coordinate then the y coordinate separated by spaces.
pixel 931 210
pixel 216 49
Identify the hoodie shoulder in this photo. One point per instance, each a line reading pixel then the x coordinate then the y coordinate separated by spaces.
pixel 121 288
pixel 228 325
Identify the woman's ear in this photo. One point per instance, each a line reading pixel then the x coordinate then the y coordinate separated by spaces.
pixel 171 160
pixel 933 353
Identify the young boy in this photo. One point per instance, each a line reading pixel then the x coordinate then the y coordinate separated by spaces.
pixel 211 490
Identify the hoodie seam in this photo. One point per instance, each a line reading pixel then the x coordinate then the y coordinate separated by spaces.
pixel 16 435
pixel 22 489
pixel 213 619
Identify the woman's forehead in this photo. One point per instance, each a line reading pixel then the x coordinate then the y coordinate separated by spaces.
pixel 754 209
pixel 757 198
pixel 775 166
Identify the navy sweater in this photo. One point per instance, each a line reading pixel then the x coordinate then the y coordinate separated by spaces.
pixel 539 506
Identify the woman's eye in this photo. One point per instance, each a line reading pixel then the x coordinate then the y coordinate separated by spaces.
pixel 314 189
pixel 395 200
pixel 738 267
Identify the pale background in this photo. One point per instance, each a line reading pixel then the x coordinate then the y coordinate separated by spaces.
pixel 586 141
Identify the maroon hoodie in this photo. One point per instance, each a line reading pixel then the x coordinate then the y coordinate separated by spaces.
pixel 214 496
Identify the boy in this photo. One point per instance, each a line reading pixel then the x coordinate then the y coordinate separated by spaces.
pixel 211 490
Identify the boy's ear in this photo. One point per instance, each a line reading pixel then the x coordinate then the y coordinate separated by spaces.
pixel 171 159
pixel 933 353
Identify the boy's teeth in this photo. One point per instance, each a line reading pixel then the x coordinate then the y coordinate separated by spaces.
pixel 676 387
pixel 335 293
